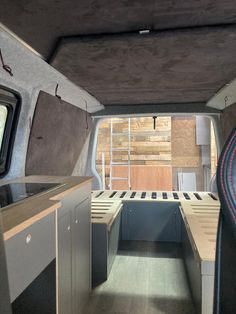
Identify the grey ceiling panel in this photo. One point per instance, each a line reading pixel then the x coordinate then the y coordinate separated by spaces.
pixel 41 22
pixel 165 67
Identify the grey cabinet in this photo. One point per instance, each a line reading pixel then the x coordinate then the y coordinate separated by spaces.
pixel 29 252
pixel 64 263
pixel 74 251
pixel 104 248
pixel 81 246
pixel 193 268
pixel 151 221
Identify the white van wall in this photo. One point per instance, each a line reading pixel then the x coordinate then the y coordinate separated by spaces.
pixel 30 75
pixel 228 120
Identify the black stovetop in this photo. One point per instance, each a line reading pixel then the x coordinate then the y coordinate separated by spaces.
pixel 15 192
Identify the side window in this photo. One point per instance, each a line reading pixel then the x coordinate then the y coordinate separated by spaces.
pixel 214 155
pixel 9 108
pixel 3 120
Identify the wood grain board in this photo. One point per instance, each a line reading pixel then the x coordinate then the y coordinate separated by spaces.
pixel 144 177
pixel 146 143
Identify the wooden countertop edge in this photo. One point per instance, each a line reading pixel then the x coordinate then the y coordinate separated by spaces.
pixel 20 227
pixel 69 185
pixel 69 190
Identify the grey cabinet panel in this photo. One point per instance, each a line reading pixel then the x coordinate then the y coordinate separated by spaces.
pixel 29 252
pixel 74 198
pixel 5 306
pixel 104 248
pixel 64 264
pixel 99 252
pixel 157 221
pixel 125 234
pixel 75 259
pixel 178 224
pixel 113 242
pixel 193 269
pixel 81 255
pixel 74 251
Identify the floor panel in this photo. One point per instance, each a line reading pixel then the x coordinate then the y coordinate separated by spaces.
pixel 146 278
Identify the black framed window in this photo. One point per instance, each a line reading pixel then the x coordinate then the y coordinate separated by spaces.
pixel 9 111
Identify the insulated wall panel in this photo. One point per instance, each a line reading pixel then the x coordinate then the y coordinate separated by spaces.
pixel 59 131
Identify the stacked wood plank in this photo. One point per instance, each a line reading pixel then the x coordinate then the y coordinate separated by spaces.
pixel 171 145
pixel 148 146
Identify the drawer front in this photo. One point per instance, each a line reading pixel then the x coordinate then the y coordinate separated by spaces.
pixel 29 252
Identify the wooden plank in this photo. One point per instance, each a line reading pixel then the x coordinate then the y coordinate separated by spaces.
pixel 160 144
pixel 148 157
pixel 144 177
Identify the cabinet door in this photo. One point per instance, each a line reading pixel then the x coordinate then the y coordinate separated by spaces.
pixel 125 235
pixel 81 247
pixel 64 264
pixel 150 221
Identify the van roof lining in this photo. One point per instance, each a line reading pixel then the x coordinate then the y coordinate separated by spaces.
pixel 41 23
pixel 181 66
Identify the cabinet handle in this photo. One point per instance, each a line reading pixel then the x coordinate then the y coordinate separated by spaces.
pixel 28 238
pixel 68 228
pixel 76 221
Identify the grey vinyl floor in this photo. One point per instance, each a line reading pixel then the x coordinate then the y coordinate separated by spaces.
pixel 146 278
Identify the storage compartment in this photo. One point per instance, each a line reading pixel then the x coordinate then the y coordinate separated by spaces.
pixel 29 252
pixel 40 296
pixel 104 248
pixel 151 221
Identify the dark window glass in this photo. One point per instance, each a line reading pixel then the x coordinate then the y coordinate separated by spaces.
pixel 9 109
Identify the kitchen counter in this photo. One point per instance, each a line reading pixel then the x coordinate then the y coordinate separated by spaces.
pixel 20 215
pixel 40 214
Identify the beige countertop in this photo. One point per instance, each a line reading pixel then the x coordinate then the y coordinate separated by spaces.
pixel 105 211
pixel 20 215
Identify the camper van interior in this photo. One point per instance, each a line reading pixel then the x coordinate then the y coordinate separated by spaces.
pixel 117 157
